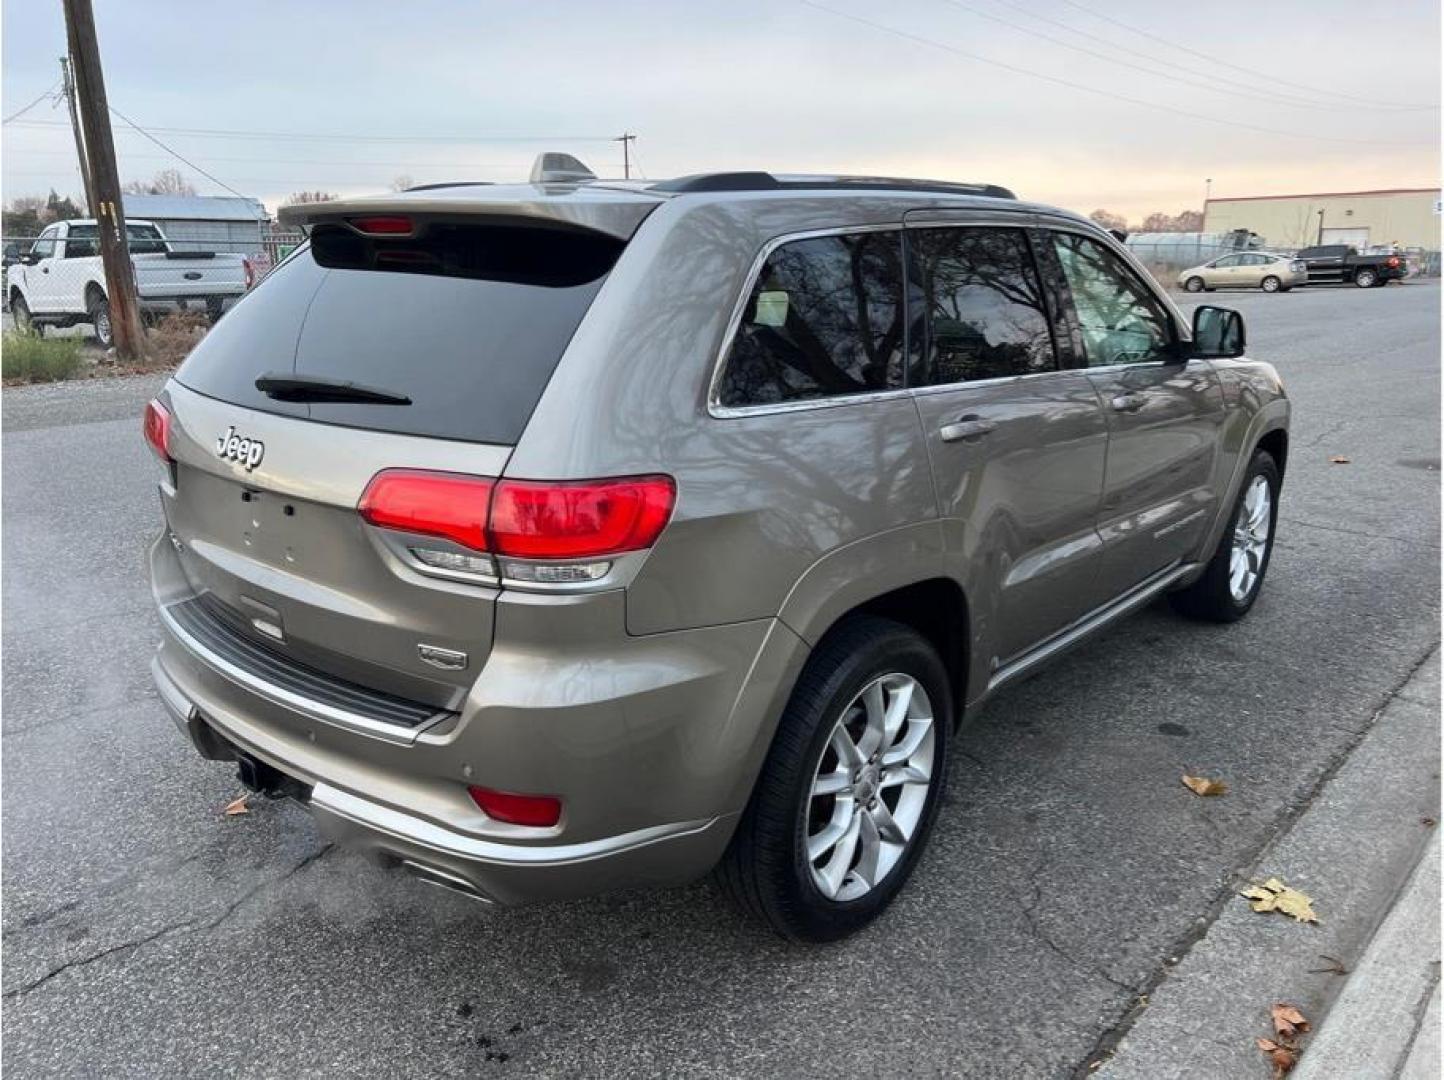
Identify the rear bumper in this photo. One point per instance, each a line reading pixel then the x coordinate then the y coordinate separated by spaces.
pixel 488 869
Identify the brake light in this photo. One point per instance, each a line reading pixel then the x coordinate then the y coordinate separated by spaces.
pixel 537 520
pixel 383 225
pixel 156 427
pixel 448 505
pixel 549 520
pixel 1393 260
pixel 538 811
pixel 250 270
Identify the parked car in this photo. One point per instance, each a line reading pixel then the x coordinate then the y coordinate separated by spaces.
pixel 60 281
pixel 574 535
pixel 1246 270
pixel 1342 263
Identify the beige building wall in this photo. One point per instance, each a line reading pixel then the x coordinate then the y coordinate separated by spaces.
pixel 1405 217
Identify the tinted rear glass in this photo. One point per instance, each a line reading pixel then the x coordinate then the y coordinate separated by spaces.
pixel 468 321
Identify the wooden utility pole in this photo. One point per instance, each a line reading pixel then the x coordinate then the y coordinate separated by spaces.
pixel 626 139
pixel 104 180
pixel 68 85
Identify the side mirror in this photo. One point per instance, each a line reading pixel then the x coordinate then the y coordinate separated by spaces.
pixel 29 258
pixel 1218 333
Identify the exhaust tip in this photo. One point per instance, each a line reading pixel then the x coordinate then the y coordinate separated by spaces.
pixel 444 879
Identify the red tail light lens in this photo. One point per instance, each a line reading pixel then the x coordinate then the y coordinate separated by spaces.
pixel 448 505
pixel 383 225
pixel 1393 260
pixel 578 520
pixel 539 811
pixel 156 426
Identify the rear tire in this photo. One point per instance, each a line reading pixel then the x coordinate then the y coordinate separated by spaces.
pixel 1235 574
pixel 789 863
pixel 1270 284
pixel 1366 279
pixel 99 311
pixel 1194 284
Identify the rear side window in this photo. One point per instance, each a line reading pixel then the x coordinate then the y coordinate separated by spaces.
pixel 986 314
pixel 467 321
pixel 825 319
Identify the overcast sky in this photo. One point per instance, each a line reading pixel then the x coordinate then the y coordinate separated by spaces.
pixel 1025 93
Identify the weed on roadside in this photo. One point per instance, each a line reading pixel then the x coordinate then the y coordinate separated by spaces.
pixel 29 358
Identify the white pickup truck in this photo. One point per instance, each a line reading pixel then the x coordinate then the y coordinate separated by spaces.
pixel 60 280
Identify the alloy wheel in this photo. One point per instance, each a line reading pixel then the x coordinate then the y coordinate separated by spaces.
pixel 870 787
pixel 1250 539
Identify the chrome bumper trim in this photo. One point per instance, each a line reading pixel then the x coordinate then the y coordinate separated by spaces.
pixel 314 710
pixel 418 832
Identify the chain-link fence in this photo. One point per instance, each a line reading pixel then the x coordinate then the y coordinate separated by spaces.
pixel 56 278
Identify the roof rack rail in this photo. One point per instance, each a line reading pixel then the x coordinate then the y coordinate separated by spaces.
pixel 763 181
pixel 450 183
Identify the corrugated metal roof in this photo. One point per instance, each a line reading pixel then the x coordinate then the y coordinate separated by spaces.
pixel 192 207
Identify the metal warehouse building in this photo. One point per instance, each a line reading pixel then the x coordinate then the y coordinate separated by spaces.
pixel 1408 217
pixel 203 222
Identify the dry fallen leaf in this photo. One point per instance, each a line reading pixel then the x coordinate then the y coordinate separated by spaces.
pixel 237 806
pixel 1282 1058
pixel 1201 785
pixel 1274 895
pixel 1339 459
pixel 1288 1021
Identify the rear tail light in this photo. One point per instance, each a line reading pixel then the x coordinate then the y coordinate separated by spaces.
pixel 539 811
pixel 156 427
pixel 541 532
pixel 1393 260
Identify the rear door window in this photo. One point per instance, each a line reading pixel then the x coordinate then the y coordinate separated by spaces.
pixel 986 315
pixel 825 319
pixel 468 321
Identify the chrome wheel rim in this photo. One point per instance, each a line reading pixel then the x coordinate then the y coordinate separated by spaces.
pixel 1270 284
pixel 102 327
pixel 870 787
pixel 1250 539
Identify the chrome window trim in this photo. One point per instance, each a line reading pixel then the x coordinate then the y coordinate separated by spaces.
pixel 715 408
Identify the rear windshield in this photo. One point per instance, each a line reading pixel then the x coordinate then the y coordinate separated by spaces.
pixel 466 321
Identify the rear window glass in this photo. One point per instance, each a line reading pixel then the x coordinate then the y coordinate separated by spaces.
pixel 467 321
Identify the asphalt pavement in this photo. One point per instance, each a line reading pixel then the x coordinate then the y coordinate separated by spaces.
pixel 147 935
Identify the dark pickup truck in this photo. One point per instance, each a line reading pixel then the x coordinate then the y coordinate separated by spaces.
pixel 1340 262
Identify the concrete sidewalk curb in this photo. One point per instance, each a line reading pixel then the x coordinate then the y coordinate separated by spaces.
pixel 1352 848
pixel 1377 1021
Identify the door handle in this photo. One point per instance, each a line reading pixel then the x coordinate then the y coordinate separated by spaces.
pixel 966 429
pixel 1129 402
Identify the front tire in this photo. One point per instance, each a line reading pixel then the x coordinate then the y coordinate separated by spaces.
pixel 1194 284
pixel 848 794
pixel 1231 582
pixel 20 312
pixel 1366 279
pixel 1271 284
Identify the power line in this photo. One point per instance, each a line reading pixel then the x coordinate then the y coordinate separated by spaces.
pixel 21 112
pixel 1206 73
pixel 1236 67
pixel 932 43
pixel 235 133
pixel 311 161
pixel 178 157
pixel 1133 64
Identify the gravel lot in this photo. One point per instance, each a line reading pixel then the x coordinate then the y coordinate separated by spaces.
pixel 146 935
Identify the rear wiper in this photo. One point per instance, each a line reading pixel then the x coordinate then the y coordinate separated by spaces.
pixel 285 386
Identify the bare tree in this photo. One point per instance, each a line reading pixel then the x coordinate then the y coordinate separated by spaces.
pixel 1186 221
pixel 402 182
pixel 1109 220
pixel 297 198
pixel 165 182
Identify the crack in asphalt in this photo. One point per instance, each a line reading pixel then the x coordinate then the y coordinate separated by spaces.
pixel 1357 532
pixel 114 887
pixel 190 925
pixel 1031 917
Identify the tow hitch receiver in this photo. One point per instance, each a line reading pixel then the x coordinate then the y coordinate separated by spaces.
pixel 269 781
